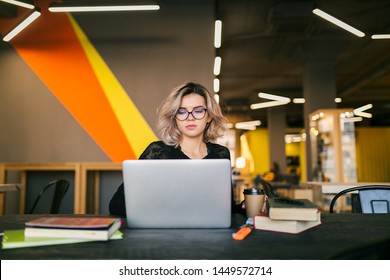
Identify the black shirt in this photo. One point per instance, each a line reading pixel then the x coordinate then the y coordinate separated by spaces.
pixel 159 150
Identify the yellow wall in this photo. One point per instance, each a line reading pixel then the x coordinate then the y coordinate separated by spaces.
pixel 259 146
pixel 298 149
pixel 373 154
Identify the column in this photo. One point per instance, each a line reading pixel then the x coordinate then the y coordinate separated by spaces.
pixel 319 85
pixel 276 122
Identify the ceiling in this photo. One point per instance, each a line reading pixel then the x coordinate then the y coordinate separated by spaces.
pixel 261 40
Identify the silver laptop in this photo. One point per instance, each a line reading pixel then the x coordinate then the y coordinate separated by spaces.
pixel 177 193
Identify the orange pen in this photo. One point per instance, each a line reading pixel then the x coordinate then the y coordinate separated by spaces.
pixel 242 233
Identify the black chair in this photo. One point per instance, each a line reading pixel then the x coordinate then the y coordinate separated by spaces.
pixel 60 189
pixel 371 199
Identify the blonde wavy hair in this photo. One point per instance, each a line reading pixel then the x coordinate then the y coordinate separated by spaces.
pixel 166 125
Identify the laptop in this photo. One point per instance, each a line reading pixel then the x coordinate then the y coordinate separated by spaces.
pixel 177 193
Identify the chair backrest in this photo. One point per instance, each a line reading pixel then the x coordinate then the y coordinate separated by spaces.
pixel 374 199
pixel 60 188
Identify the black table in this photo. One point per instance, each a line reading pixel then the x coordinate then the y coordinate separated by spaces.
pixel 338 232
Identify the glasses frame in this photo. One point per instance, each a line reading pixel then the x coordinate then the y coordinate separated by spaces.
pixel 190 113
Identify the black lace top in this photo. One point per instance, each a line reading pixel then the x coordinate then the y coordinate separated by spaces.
pixel 159 150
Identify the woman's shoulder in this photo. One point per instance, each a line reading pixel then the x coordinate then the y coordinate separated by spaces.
pixel 157 150
pixel 217 151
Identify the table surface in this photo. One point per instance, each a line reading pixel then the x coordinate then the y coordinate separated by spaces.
pixel 338 232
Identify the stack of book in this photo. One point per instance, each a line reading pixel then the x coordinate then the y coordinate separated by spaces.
pixel 288 216
pixel 62 230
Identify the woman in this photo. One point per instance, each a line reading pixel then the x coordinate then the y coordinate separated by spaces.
pixel 189 121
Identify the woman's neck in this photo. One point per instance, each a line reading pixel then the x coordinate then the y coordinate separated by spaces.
pixel 194 148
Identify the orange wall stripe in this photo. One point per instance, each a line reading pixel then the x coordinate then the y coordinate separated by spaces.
pixel 136 129
pixel 52 50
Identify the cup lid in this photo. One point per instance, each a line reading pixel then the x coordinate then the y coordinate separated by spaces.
pixel 253 191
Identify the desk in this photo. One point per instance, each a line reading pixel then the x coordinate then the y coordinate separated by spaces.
pixel 337 233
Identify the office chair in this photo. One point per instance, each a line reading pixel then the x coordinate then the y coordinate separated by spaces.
pixel 372 199
pixel 61 187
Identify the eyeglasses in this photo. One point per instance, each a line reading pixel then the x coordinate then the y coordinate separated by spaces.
pixel 198 113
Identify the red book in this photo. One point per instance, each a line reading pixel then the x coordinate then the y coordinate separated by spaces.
pixel 93 228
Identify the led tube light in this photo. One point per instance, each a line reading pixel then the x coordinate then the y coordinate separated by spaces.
pixel 30 18
pixel 218 34
pixel 216 85
pixel 380 36
pixel 338 22
pixel 63 9
pixel 274 97
pixel 19 3
pixel 266 104
pixel 217 65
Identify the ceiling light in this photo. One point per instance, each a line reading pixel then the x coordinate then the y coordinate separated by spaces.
pixel 274 97
pixel 353 119
pixel 33 15
pixel 216 85
pixel 217 65
pixel 293 138
pixel 337 100
pixel 61 8
pixel 360 111
pixel 380 36
pixel 19 3
pixel 298 100
pixel 266 104
pixel 249 125
pixel 338 22
pixel 218 34
pixel 216 97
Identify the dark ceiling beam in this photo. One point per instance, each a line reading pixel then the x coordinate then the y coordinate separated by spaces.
pixel 7 10
pixel 364 78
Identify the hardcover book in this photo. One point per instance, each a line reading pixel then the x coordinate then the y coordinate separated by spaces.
pixel 15 239
pixel 292 209
pixel 96 228
pixel 263 222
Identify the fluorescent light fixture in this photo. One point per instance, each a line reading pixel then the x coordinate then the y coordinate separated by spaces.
pixel 61 8
pixel 293 138
pixel 338 22
pixel 216 97
pixel 353 119
pixel 22 25
pixel 360 111
pixel 266 104
pixel 338 100
pixel 19 3
pixel 217 65
pixel 249 125
pixel 380 36
pixel 218 34
pixel 216 85
pixel 298 100
pixel 274 97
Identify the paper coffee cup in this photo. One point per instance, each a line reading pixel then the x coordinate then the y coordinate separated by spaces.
pixel 254 200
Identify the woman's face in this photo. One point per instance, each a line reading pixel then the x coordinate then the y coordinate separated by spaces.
pixel 194 125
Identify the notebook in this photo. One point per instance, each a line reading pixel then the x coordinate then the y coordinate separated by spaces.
pixel 177 193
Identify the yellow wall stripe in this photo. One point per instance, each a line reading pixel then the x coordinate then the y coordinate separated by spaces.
pixel 137 130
